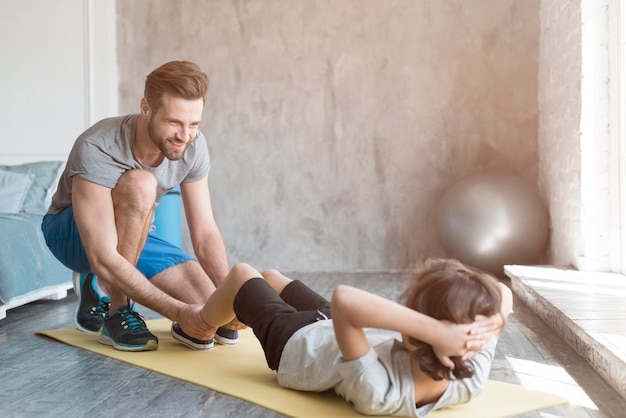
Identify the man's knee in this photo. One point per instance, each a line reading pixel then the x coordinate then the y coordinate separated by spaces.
pixel 136 189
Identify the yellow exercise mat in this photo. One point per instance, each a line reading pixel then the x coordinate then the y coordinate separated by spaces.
pixel 241 371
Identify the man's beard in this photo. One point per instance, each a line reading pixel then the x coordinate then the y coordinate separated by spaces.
pixel 162 143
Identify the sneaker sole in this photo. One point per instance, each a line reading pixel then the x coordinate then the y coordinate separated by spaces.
pixel 224 336
pixel 225 341
pixel 191 344
pixel 149 346
pixel 76 283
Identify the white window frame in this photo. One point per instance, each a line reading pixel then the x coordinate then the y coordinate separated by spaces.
pixel 617 25
pixel 101 62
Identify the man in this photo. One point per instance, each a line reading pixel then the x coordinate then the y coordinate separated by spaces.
pixel 100 217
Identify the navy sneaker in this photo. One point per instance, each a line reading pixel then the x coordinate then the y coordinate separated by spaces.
pixel 125 330
pixel 92 307
pixel 188 340
pixel 226 336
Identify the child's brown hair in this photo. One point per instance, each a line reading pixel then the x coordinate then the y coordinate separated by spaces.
pixel 449 290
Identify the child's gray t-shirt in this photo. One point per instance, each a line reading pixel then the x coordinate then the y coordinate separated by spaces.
pixel 105 151
pixel 378 383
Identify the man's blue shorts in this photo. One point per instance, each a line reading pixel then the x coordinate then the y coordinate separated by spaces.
pixel 61 235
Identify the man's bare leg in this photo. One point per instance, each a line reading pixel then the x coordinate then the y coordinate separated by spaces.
pixel 133 204
pixel 186 281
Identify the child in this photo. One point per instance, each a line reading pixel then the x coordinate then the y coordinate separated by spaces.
pixel 448 324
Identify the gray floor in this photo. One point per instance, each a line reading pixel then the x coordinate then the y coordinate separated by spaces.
pixel 44 378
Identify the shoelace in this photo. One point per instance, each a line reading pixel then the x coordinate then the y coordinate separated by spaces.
pixel 102 307
pixel 132 319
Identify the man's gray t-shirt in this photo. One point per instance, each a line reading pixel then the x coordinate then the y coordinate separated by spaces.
pixel 378 383
pixel 105 151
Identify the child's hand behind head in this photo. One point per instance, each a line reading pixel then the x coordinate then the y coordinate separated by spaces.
pixel 448 290
pixel 482 330
pixel 452 351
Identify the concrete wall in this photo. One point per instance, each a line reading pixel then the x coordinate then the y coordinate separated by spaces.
pixel 560 106
pixel 574 138
pixel 336 126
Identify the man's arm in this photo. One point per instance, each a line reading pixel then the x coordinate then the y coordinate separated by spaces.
pixel 354 309
pixel 206 237
pixel 94 214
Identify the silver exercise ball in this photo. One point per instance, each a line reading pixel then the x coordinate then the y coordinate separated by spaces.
pixel 492 219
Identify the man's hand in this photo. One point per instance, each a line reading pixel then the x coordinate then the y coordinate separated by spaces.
pixel 192 323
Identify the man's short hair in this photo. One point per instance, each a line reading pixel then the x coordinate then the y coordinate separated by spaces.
pixel 181 79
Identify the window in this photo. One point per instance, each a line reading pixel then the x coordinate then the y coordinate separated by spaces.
pixel 617 82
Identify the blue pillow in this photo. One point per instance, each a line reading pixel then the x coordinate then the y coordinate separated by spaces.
pixel 13 190
pixel 45 176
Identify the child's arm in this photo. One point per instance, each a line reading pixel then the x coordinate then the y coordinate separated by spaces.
pixel 354 309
